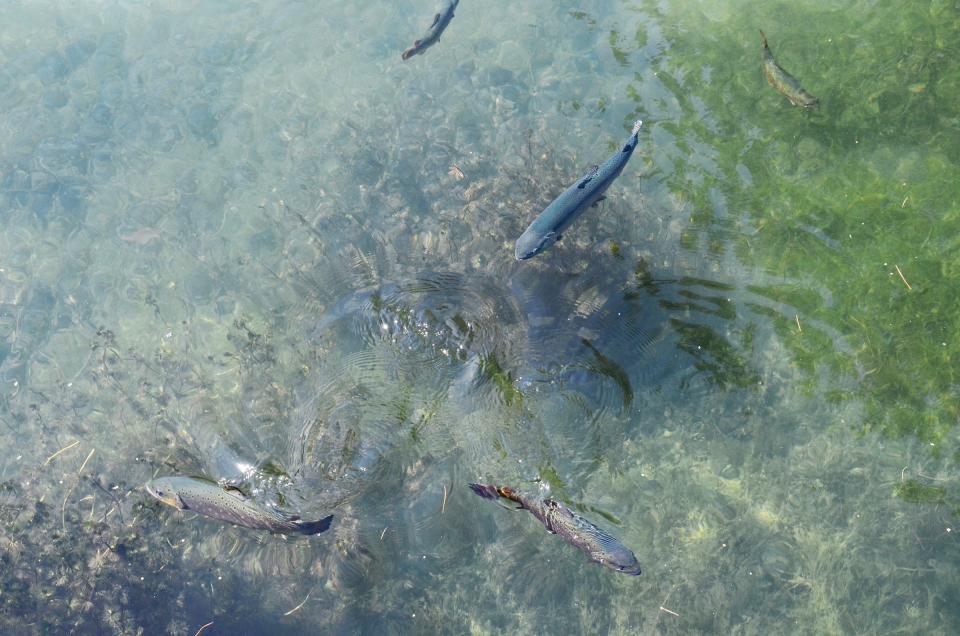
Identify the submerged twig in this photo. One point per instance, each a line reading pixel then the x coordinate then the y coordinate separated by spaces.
pixel 799 328
pixel 302 603
pixel 897 267
pixel 83 465
pixel 62 450
pixel 443 505
pixel 203 628
pixel 672 613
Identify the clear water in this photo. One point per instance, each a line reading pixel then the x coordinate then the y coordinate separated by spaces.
pixel 233 236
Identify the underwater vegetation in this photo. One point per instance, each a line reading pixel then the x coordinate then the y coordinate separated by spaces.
pixel 741 364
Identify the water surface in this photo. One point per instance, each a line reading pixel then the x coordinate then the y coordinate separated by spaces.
pixel 247 241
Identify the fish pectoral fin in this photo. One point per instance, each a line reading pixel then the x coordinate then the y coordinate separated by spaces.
pixel 597 202
pixel 180 504
pixel 436 19
pixel 283 515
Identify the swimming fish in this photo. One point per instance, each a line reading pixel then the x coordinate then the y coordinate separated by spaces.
pixel 569 526
pixel 546 229
pixel 783 81
pixel 432 36
pixel 229 504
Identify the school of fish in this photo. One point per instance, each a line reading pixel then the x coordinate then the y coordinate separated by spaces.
pixel 228 504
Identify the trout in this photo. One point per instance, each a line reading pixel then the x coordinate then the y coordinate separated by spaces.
pixel 229 504
pixel 546 229
pixel 432 36
pixel 569 526
pixel 783 81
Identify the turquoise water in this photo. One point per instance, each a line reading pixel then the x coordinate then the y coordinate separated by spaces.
pixel 247 241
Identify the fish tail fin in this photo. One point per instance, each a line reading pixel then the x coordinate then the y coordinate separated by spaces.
pixel 485 491
pixel 493 492
pixel 315 527
pixel 637 125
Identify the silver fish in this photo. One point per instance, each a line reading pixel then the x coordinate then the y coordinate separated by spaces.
pixel 569 526
pixel 546 229
pixel 230 505
pixel 432 36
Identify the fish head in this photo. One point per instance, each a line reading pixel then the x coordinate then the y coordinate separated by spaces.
pixel 164 489
pixel 413 50
pixel 610 553
pixel 532 243
pixel 621 560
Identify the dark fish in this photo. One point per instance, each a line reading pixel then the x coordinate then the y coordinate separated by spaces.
pixel 432 36
pixel 546 229
pixel 783 81
pixel 230 505
pixel 569 526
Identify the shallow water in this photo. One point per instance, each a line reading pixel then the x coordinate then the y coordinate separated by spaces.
pixel 234 244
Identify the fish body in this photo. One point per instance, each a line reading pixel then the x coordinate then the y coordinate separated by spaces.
pixel 569 526
pixel 547 228
pixel 432 36
pixel 783 81
pixel 230 505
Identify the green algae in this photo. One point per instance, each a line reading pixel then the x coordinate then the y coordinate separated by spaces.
pixel 830 200
pixel 764 491
pixel 913 491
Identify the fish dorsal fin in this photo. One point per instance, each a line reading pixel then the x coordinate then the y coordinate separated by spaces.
pixel 588 178
pixel 235 492
pixel 436 19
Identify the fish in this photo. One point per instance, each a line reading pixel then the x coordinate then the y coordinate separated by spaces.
pixel 547 228
pixel 229 504
pixel 142 236
pixel 569 526
pixel 783 81
pixel 436 29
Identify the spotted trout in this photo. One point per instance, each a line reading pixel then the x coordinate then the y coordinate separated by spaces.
pixel 547 228
pixel 432 36
pixel 569 526
pixel 230 505
pixel 783 81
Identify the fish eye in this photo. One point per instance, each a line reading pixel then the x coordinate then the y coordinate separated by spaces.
pixel 160 493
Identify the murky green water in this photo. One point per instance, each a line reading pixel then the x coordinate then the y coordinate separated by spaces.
pixel 248 235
